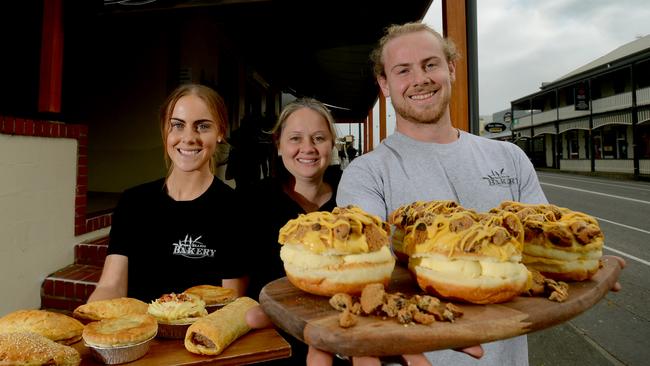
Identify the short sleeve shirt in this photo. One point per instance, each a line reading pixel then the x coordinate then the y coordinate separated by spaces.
pixel 172 245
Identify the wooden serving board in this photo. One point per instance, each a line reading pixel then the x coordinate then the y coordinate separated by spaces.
pixel 256 346
pixel 311 318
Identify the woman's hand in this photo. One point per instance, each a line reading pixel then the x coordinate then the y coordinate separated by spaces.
pixel 621 262
pixel 113 282
pixel 257 319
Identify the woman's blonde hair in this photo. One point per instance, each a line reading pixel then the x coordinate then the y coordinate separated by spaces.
pixel 300 103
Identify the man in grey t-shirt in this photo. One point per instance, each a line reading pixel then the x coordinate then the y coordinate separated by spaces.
pixel 428 159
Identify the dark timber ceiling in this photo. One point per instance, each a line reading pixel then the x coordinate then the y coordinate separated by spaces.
pixel 310 48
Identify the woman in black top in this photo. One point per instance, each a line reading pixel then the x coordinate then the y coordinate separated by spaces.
pixel 176 232
pixel 304 136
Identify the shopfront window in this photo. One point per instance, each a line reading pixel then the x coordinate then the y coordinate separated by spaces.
pixel 644 140
pixel 572 144
pixel 610 142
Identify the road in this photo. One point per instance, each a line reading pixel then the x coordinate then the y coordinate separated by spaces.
pixel 617 330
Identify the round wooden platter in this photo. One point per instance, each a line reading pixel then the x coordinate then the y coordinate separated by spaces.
pixel 311 318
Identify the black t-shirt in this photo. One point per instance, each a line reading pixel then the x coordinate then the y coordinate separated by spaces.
pixel 173 245
pixel 275 209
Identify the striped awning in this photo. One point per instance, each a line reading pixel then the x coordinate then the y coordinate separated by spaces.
pixel 574 124
pixel 621 118
pixel 544 129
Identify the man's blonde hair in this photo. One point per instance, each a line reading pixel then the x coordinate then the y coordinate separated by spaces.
pixel 397 30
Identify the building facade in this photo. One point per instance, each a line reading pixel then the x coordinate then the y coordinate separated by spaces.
pixel 594 119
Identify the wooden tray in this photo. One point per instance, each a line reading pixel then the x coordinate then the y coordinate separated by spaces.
pixel 311 318
pixel 256 346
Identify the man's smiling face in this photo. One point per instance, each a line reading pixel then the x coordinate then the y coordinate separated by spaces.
pixel 418 77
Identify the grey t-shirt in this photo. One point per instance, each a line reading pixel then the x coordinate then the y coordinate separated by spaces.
pixel 476 172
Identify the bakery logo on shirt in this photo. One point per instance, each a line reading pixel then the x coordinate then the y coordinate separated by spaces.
pixel 497 178
pixel 192 248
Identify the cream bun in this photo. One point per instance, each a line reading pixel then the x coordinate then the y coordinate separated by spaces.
pixel 325 253
pixel 462 255
pixel 560 243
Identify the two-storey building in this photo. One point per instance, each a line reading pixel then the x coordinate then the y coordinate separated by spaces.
pixel 594 119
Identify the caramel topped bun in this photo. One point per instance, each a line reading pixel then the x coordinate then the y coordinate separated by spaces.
pixel 468 256
pixel 57 327
pixel 127 330
pixel 24 348
pixel 407 215
pixel 177 308
pixel 213 295
pixel 325 253
pixel 106 309
pixel 560 243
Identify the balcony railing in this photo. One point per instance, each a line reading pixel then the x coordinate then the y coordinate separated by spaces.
pixel 570 112
pixel 522 121
pixel 546 116
pixel 643 96
pixel 617 101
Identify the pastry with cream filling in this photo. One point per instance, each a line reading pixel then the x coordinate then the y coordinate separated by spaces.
pixel 325 253
pixel 406 215
pixel 560 243
pixel 466 256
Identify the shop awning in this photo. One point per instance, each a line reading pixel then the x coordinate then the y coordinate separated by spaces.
pixel 544 129
pixel 574 124
pixel 620 118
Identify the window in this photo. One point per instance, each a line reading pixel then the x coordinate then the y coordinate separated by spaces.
pixel 572 144
pixel 610 142
pixel 644 140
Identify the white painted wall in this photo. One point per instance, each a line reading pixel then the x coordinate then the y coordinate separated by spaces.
pixel 37 195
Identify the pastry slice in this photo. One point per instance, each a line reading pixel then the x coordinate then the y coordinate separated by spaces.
pixel 213 295
pixel 25 348
pixel 55 326
pixel 113 308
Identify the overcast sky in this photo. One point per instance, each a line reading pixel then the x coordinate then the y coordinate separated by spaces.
pixel 522 43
